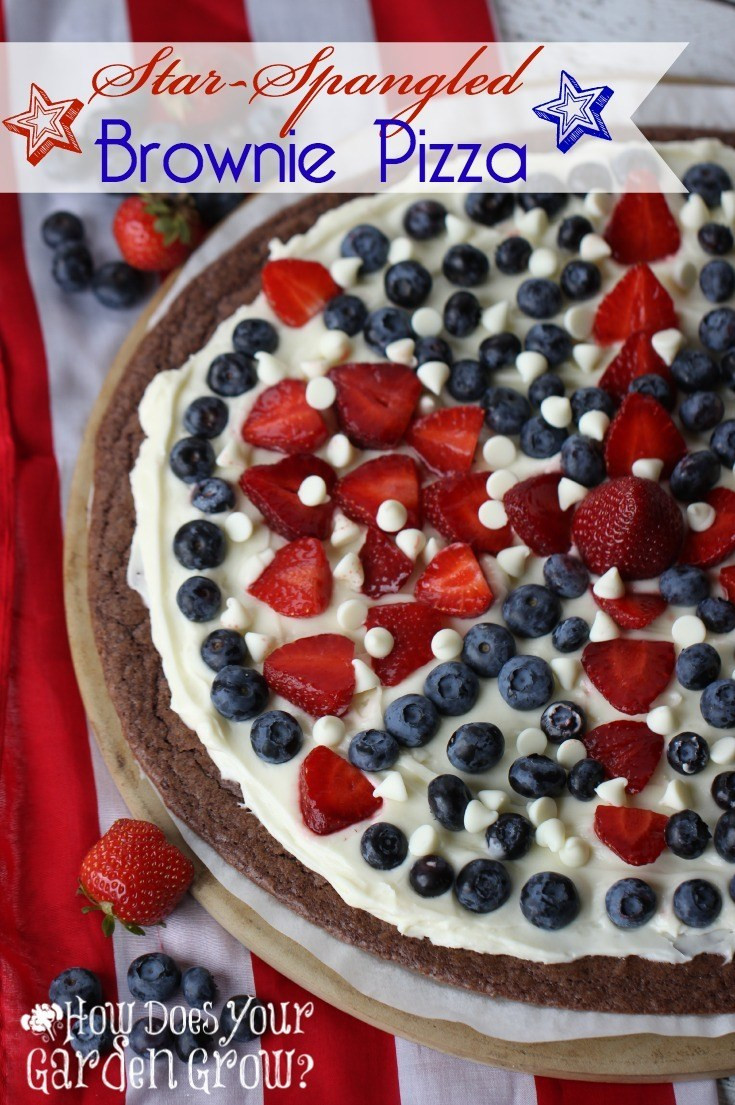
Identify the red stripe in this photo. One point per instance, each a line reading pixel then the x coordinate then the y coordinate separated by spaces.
pixel 556 1091
pixel 188 21
pixel 432 21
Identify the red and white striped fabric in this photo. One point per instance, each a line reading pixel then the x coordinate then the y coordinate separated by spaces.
pixel 55 794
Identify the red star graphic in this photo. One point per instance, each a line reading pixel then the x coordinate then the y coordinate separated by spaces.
pixel 46 123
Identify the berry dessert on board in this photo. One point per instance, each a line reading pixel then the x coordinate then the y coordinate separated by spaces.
pixel 412 573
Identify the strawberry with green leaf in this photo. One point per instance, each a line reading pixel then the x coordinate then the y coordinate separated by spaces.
pixel 156 233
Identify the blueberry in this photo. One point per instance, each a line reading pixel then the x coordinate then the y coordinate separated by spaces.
pixel 526 682
pixel 717 704
pixel 571 232
pixel 412 719
pixel 630 903
pixel 153 977
pixel 697 903
pixel 545 385
pixel 684 585
pixel 687 834
pixel 243 1019
pixel 384 846
pixel 431 876
pixel 537 776
pixel 467 381
pixel 583 461
pixel 213 496
pixel 72 266
pixel 717 329
pixel 199 545
pixel 461 314
pixel 231 374
pixel 551 341
pixel 722 442
pixel 407 284
pixel 489 208
pixel 150 1035
pixel 90 1034
pixel 511 256
pixel 695 475
pixel 475 747
pixel 566 576
pixel 724 839
pixel 551 202
pixel 549 901
pixel 369 244
pixel 198 987
pixel 510 837
pixel 697 666
pixel 199 599
pixel 119 285
pixel 223 647
pixel 449 797
pixel 717 281
pixel 570 634
pixel 373 750
pixel 723 790
pixel 76 985
pixel 465 266
pixel 688 753
pixel 206 416
pixel 192 459
pixel 483 885
pixel 650 383
pixel 424 219
pixel 531 610
pixel 254 335
pixel 60 227
pixel 506 410
pixel 213 207
pixel 591 399
pixel 192 1040
pixel 276 737
pixel 580 280
pixel 432 349
pixel 718 615
pixel 715 238
pixel 487 647
pixel 452 687
pixel 239 694
pixel 584 777
pixel 347 313
pixel 695 370
pixel 386 325
pixel 539 298
pixel 727 369
pixel 499 351
pixel 562 721
pixel 540 440
pixel 709 180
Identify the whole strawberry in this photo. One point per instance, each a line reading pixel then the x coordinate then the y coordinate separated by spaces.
pixel 156 233
pixel 134 876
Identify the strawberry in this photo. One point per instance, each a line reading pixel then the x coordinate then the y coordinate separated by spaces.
pixel 297 290
pixel 642 428
pixel 282 420
pixel 630 524
pixel 534 513
pixel 727 581
pixel 713 545
pixel 274 488
pixel 642 228
pixel 362 490
pixel 634 610
pixel 412 626
pixel 375 402
pixel 637 302
pixel 134 875
pixel 636 836
pixel 626 749
pixel 297 582
pixel 314 673
pixel 454 584
pixel 333 794
pixel 636 358
pixel 386 568
pixel 447 438
pixel 630 674
pixel 451 505
pixel 156 233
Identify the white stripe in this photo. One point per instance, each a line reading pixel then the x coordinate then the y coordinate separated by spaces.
pixel 428 1077
pixel 310 20
pixel 70 21
pixel 697 1093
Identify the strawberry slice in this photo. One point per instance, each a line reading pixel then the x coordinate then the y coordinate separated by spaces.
pixel 642 228
pixel 713 545
pixel 451 505
pixel 636 358
pixel 314 673
pixel 412 626
pixel 533 511
pixel 385 567
pixel 626 749
pixel 727 581
pixel 630 674
pixel 454 584
pixel 274 488
pixel 333 793
pixel 634 610
pixel 636 836
pixel 297 290
pixel 282 420
pixel 447 438
pixel 630 524
pixel 637 302
pixel 642 428
pixel 297 582
pixel 362 490
pixel 375 402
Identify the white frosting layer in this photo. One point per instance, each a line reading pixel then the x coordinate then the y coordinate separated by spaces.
pixel 163 504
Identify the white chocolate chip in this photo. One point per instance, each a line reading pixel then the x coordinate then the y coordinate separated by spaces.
pixel 344 530
pixel 499 451
pixel 684 274
pixel 676 796
pixel 345 270
pixel 231 455
pixel 270 369
pixel 667 344
pixel 478 817
pixel 458 230
pixel 431 548
pixel 433 375
pixel 543 262
pixel 603 628
pixel 426 322
pixel 700 516
pixel 447 644
pixel 557 411
pixel 610 585
pixel 531 742
pixel 597 203
pixel 513 560
pixel 694 213
pixel 575 852
pixel 495 318
pixel 594 424
pixel 427 404
pixel 531 365
pixel 727 200
pixel 392 787
pixel 351 614
pixel 688 630
pixel 391 516
pixel 647 468
pixel 258 645
pixel 365 677
pixel 339 451
pixel 578 321
pixel 492 514
pixel 723 751
pixel 238 527
pixel 423 841
pixel 494 799
pixel 235 616
pixel 254 566
pixel 411 542
pixel 334 346
pixel 570 752
pixel 551 834
pixel 570 492
pixel 533 223
pixel 540 810
pixel 328 730
pixel 379 642
pixel 594 248
pixel 662 720
pixel 313 491
pixel 500 482
pixel 401 249
pixel 350 571
pixel 612 791
pixel 320 393
pixel 401 351
pixel 567 671
pixel 317 366
pixel 587 356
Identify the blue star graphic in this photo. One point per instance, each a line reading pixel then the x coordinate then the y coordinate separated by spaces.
pixel 576 112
